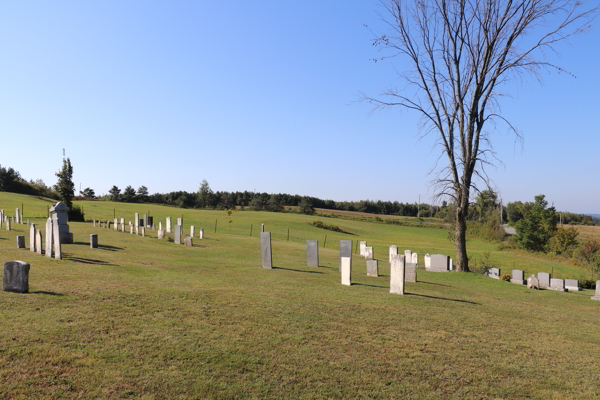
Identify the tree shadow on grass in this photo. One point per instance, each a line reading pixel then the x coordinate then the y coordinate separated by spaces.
pixel 48 293
pixel 101 246
pixel 299 270
pixel 70 257
pixel 431 283
pixel 442 298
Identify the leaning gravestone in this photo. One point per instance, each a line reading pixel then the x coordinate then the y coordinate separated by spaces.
pixel 533 282
pixel 369 253
pixel 265 250
pixel 177 234
pixel 518 277
pixel 32 238
pixel 557 285
pixel 597 296
pixel 410 272
pixel 363 246
pixel 392 250
pixel 346 270
pixel 373 268
pixel 16 276
pixel 572 285
pixel 312 253
pixel 93 241
pixel 438 263
pixel 493 273
pixel 397 274
pixel 544 278
pixel 38 241
pixel 20 242
pixel 345 250
pixel 188 241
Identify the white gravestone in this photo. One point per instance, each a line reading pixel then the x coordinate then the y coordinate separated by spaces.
pixel 369 253
pixel 32 238
pixel 397 274
pixel 597 296
pixel 49 236
pixel 346 271
pixel 363 246
pixel 415 259
pixel 392 250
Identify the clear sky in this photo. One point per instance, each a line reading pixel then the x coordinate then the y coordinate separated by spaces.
pixel 260 95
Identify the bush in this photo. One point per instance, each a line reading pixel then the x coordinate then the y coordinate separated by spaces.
pixel 76 214
pixel 320 224
pixel 564 240
pixel 505 277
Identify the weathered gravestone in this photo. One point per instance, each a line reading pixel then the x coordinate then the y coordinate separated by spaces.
pixel 61 212
pixel 188 241
pixel 265 250
pixel 363 246
pixel 410 272
pixel 116 223
pixel 8 223
pixel 345 250
pixel 56 238
pixel 312 253
pixel 94 222
pixel 160 226
pixel 143 231
pixel 136 219
pixel 544 278
pixel 18 221
pixel 192 231
pixel 20 242
pixel 373 268
pixel 407 256
pixel 427 261
pixel 518 277
pixel 93 241
pixel 391 251
pixel 415 259
pixel 161 234
pixel 438 262
pixel 557 285
pixel 572 285
pixel 49 237
pixel 38 241
pixel 16 276
pixel 178 234
pixel 346 270
pixel 145 220
pixel 32 238
pixel 369 253
pixel 131 229
pixel 201 233
pixel 533 282
pixel 597 296
pixel 169 225
pixel 123 227
pixel 493 273
pixel 397 274
pixel 262 228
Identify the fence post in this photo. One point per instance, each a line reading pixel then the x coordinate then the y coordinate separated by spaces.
pixel 288 235
pixel 325 242
pixel 250 230
pixel 215 226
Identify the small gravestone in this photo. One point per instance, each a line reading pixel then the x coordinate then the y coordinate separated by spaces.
pixel 32 238
pixel 415 259
pixel 363 246
pixel 131 229
pixel 572 285
pixel 533 282
pixel 8 223
pixel 544 278
pixel 94 222
pixel 346 270
pixel 116 224
pixel 20 242
pixel 150 221
pixel 410 272
pixel 143 231
pixel 188 241
pixel 369 253
pixel 407 256
pixel 518 277
pixel 192 231
pixel 49 237
pixel 141 222
pixel 18 221
pixel 345 250
pixel 201 233
pixel 16 276
pixel 391 251
pixel 427 261
pixel 397 274
pixel 160 226
pixel 557 285
pixel 438 263
pixel 265 250
pixel 373 268
pixel 597 296
pixel 177 234
pixel 493 273
pixel 161 234
pixel 94 241
pixel 122 227
pixel 38 242
pixel 312 253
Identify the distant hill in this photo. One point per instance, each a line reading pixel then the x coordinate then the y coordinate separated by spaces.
pixel 596 216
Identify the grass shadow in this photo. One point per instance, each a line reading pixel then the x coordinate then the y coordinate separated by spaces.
pixel 431 283
pixel 69 257
pixel 48 293
pixel 101 246
pixel 442 298
pixel 299 270
pixel 366 284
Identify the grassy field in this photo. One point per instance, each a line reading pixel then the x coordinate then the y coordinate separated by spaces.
pixel 142 318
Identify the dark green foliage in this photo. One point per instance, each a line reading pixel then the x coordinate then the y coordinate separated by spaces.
pixel 142 194
pixel 115 193
pixel 89 193
pixel 320 224
pixel 76 214
pixel 537 226
pixel 128 195
pixel 65 186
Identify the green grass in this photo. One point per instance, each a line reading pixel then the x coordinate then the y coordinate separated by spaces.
pixel 145 318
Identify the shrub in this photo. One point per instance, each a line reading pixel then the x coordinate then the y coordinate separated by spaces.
pixel 76 214
pixel 505 277
pixel 564 240
pixel 320 224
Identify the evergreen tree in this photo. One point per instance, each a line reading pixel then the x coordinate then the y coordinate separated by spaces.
pixel 142 194
pixel 538 225
pixel 65 186
pixel 128 195
pixel 114 193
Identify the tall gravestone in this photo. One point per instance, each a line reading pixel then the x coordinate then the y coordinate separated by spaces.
pixel 373 268
pixel 16 276
pixel 192 231
pixel 201 233
pixel 369 253
pixel 346 270
pixel 544 278
pixel 8 223
pixel 265 250
pixel 38 241
pixel 18 221
pixel 597 296
pixel 56 238
pixel 345 250
pixel 150 221
pixel 363 246
pixel 32 238
pixel 177 234
pixel 136 219
pixel 169 223
pixel 61 212
pixel 407 256
pixel 312 253
pixel 262 227
pixel 518 277
pixel 20 242
pixel 116 222
pixel 160 226
pixel 397 274
pixel 49 236
pixel 427 261
pixel 392 250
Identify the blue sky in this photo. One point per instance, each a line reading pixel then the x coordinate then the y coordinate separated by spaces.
pixel 261 96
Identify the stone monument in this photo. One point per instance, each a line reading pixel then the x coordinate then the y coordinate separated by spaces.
pixel 346 270
pixel 265 250
pixel 518 277
pixel 61 212
pixel 397 274
pixel 312 253
pixel 373 268
pixel 16 276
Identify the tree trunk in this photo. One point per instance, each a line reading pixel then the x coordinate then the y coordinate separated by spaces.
pixel 462 262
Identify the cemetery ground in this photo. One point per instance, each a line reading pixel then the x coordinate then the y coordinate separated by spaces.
pixel 145 318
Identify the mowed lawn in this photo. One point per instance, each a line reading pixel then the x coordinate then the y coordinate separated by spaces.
pixel 145 318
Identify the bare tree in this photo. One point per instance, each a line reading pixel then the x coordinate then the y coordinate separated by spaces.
pixel 461 54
